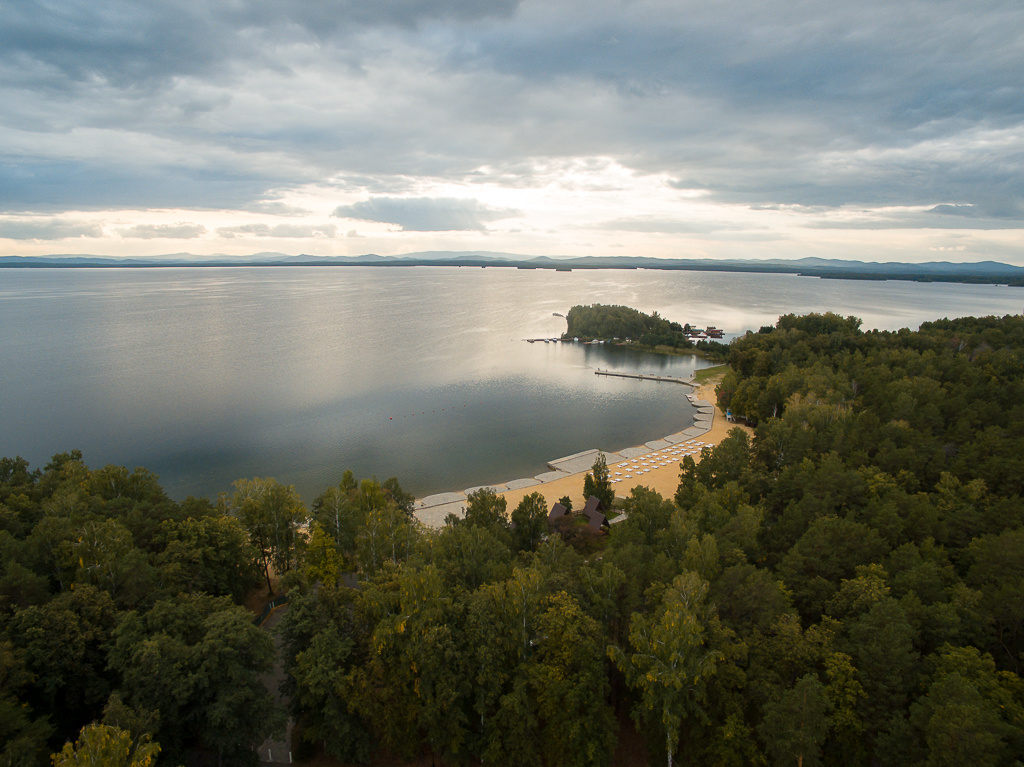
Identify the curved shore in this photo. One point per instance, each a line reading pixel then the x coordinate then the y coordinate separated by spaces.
pixel 566 477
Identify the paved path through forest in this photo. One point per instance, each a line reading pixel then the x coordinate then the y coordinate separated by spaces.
pixel 277 751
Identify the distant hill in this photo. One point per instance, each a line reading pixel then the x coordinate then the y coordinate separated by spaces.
pixel 988 272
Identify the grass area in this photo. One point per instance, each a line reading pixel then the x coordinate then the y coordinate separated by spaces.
pixel 707 375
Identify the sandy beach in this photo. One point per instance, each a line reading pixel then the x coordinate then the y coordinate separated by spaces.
pixel 661 475
pixel 663 479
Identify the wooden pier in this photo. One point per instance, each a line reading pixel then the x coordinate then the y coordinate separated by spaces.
pixel 643 377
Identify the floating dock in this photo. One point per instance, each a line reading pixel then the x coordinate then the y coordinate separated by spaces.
pixel 644 377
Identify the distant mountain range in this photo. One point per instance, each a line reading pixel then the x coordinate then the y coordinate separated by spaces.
pixel 990 272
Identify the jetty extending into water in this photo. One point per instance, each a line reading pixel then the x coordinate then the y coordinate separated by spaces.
pixel 644 377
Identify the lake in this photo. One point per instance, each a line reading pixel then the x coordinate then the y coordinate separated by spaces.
pixel 209 375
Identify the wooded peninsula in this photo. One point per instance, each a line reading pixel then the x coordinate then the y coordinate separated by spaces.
pixel 624 325
pixel 843 587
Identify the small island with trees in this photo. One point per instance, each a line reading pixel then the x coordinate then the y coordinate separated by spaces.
pixel 623 325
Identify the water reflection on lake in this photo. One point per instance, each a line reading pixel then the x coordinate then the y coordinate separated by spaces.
pixel 208 375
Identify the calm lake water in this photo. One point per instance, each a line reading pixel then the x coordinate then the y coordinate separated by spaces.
pixel 205 376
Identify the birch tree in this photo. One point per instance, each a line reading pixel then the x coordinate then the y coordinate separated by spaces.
pixel 669 660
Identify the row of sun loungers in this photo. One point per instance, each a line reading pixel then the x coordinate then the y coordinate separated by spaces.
pixel 657 459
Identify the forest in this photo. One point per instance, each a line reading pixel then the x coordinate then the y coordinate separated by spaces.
pixel 844 585
pixel 601 321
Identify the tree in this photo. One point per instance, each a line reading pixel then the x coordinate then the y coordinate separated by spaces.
pixel 529 521
pixel 599 589
pixel 570 686
pixel 199 660
pixel 338 514
pixel 784 653
pixel 22 736
pixel 470 556
pixel 324 563
pixel 881 643
pixel 20 587
pixel 972 713
pixel 319 649
pixel 106 557
pixel 320 696
pixel 485 507
pixel 648 514
pixel 829 551
pixel 65 643
pixel 669 660
pixel 960 726
pixel 414 686
pixel 140 722
pixel 387 535
pixel 100 744
pixel 998 572
pixel 846 693
pixel 271 513
pixel 212 554
pixel 749 599
pixel 503 634
pixel 403 500
pixel 598 482
pixel 795 727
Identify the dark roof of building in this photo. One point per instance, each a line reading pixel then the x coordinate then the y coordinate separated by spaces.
pixel 557 512
pixel 595 519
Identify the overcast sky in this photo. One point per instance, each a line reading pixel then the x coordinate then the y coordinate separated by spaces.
pixel 879 130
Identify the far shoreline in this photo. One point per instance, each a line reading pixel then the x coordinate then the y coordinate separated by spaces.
pixel 998 274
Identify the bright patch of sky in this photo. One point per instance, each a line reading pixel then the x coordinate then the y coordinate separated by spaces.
pixel 875 130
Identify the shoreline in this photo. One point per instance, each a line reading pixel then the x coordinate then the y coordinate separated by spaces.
pixel 566 476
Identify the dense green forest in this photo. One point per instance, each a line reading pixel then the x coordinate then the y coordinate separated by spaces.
pixel 843 587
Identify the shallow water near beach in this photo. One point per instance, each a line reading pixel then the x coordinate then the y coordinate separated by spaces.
pixel 209 375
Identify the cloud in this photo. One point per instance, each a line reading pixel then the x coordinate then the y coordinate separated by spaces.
pixel 48 229
pixel 133 44
pixel 287 231
pixel 883 218
pixel 414 105
pixel 655 225
pixel 426 214
pixel 968 210
pixel 275 208
pixel 988 206
pixel 179 231
pixel 326 18
pixel 125 183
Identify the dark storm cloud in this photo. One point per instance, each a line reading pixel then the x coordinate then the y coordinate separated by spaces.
pixel 120 41
pixel 130 43
pixel 425 214
pixel 328 17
